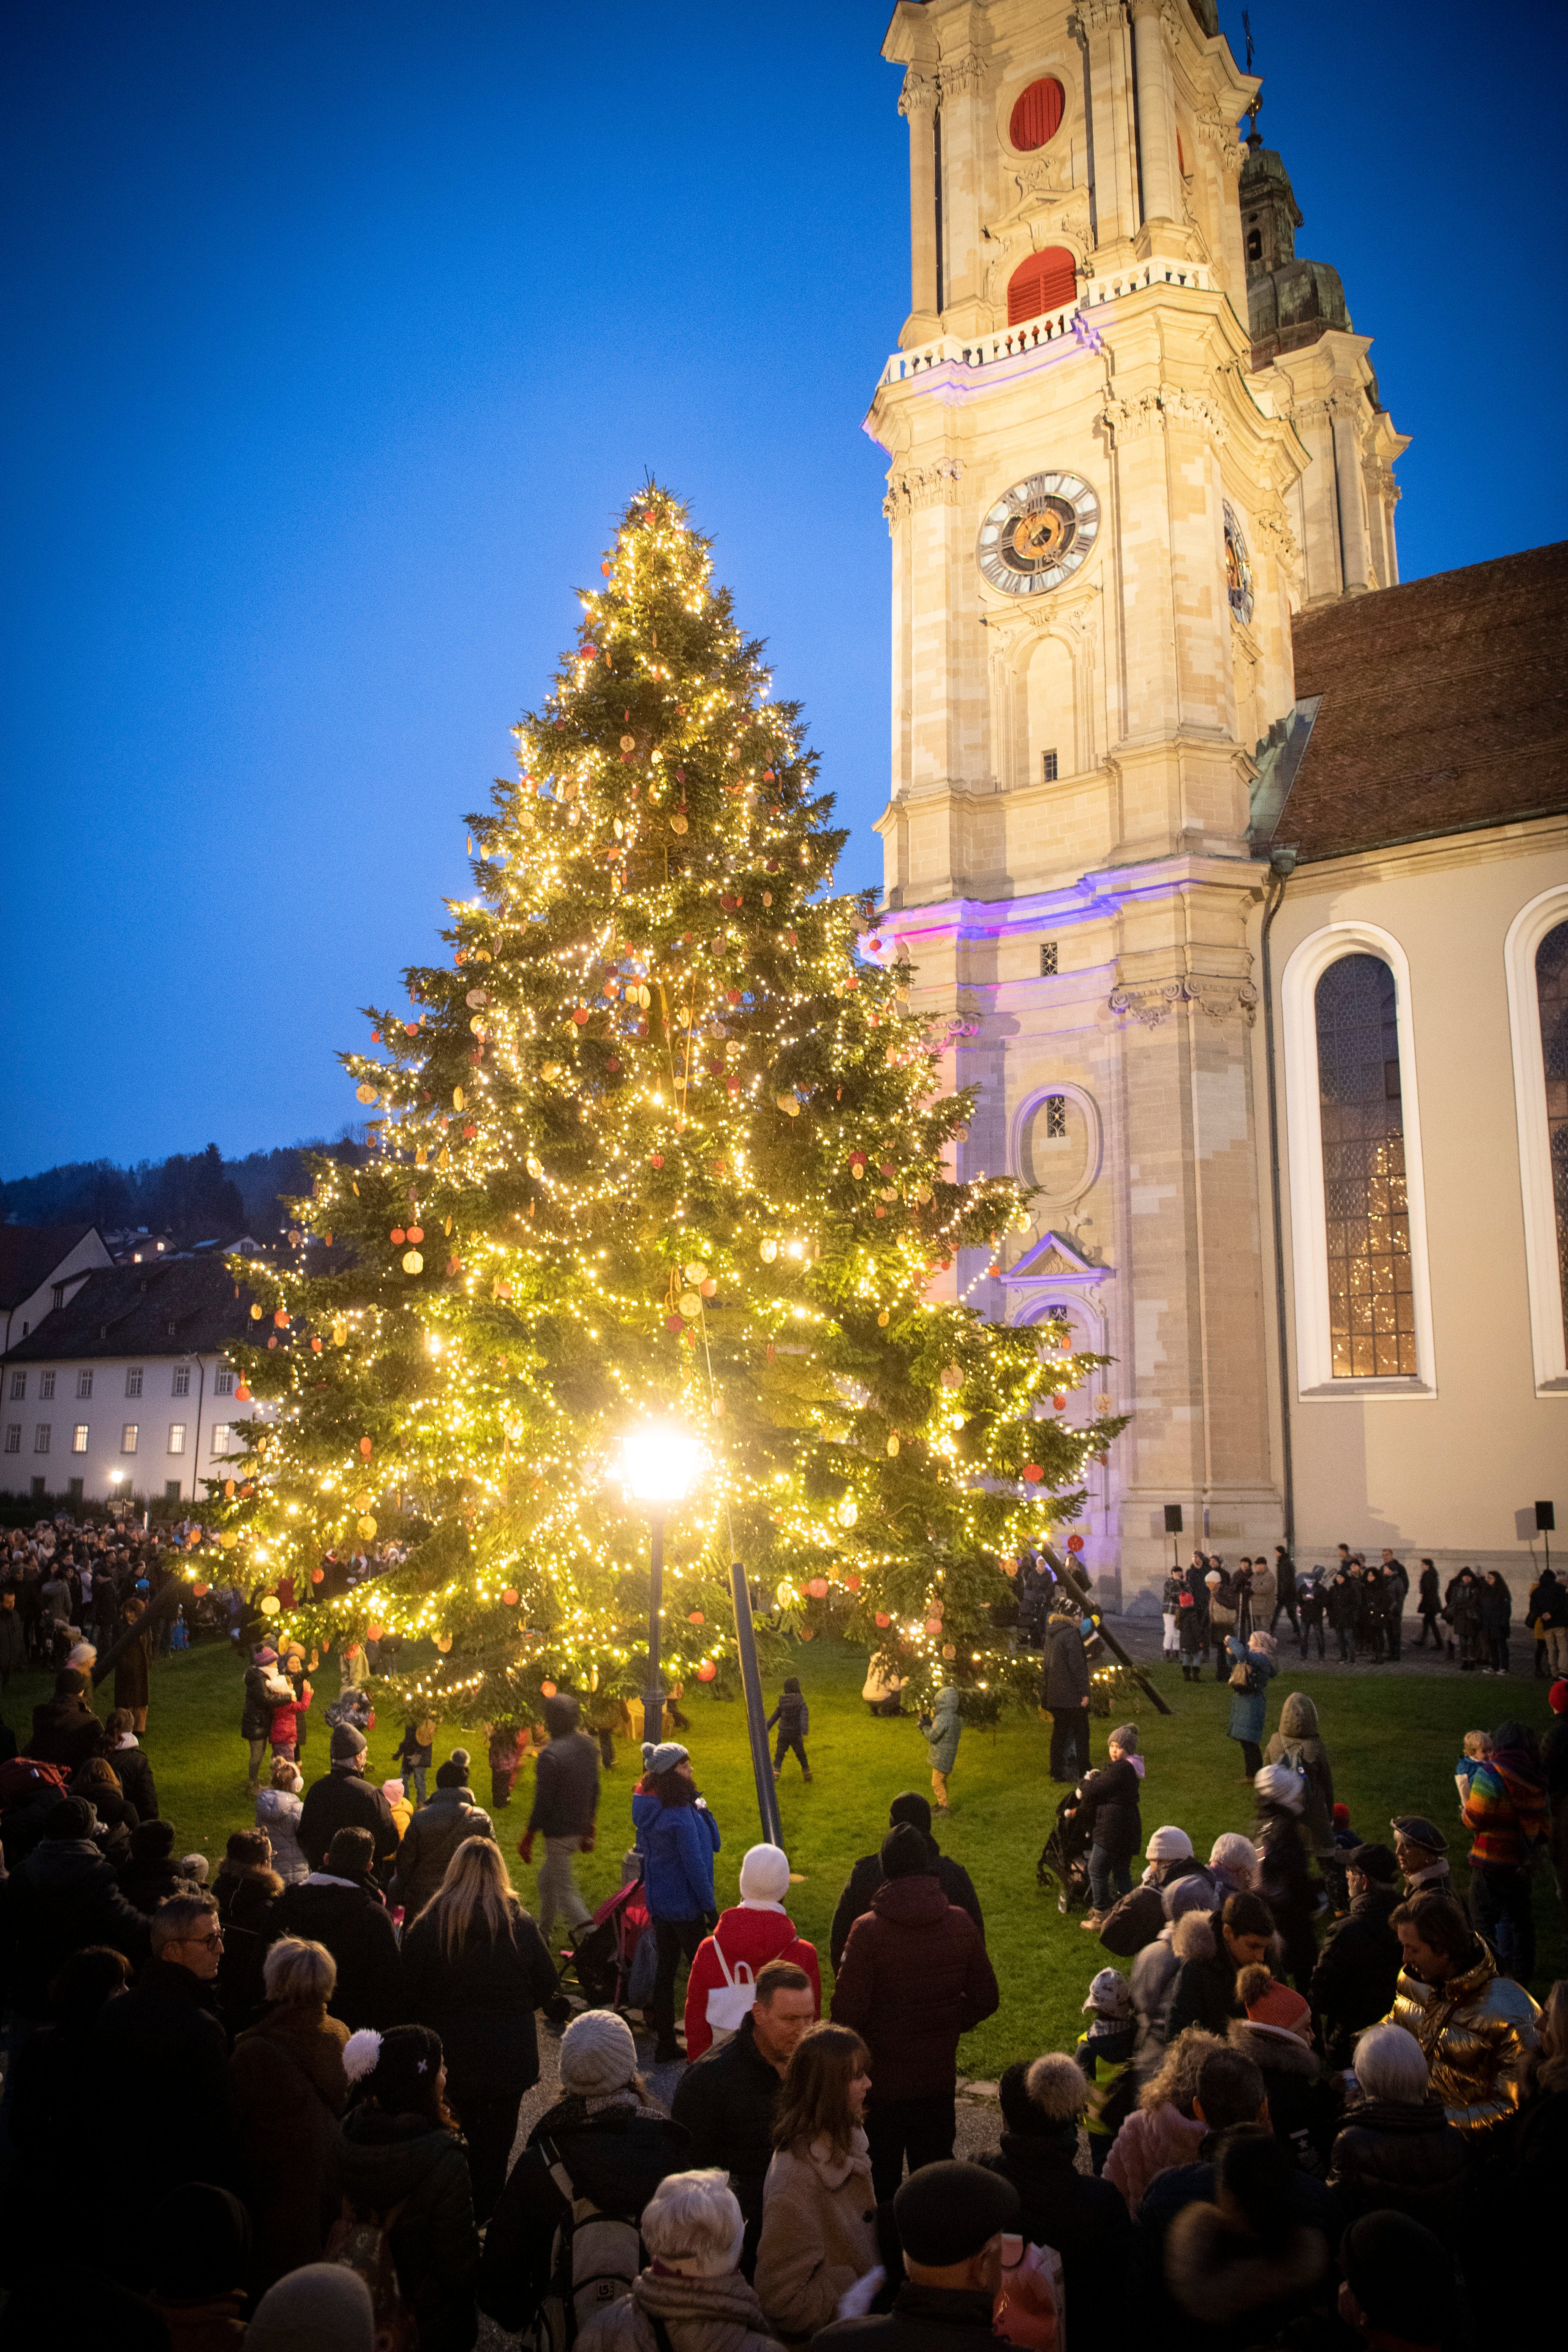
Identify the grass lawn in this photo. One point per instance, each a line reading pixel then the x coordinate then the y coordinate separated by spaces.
pixel 1392 1739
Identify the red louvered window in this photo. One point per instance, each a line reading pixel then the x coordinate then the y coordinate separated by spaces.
pixel 1037 115
pixel 1046 282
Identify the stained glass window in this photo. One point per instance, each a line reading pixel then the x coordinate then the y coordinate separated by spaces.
pixel 1551 992
pixel 1371 1314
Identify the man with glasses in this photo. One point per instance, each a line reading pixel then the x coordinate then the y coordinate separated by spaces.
pixel 165 2074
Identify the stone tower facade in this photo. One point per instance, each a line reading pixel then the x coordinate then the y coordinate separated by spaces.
pixel 1103 514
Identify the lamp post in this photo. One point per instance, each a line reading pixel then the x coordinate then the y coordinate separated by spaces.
pixel 660 1462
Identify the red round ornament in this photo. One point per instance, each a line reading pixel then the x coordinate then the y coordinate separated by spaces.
pixel 706 1671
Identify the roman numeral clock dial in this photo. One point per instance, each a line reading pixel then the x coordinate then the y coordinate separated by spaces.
pixel 1038 534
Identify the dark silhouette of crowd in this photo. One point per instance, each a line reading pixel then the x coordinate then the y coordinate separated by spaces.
pixel 279 2101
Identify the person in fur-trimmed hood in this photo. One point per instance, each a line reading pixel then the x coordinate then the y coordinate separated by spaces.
pixel 1306 2102
pixel 1240 2270
pixel 693 2289
pixel 754 1931
pixel 1188 1906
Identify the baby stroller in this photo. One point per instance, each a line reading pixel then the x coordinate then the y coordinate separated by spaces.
pixel 1062 1869
pixel 598 1957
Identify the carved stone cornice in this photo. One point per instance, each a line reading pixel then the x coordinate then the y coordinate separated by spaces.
pixel 1273 527
pixel 1214 131
pixel 919 94
pixel 1221 999
pixel 1093 15
pixel 962 74
pixel 922 485
pixel 1164 408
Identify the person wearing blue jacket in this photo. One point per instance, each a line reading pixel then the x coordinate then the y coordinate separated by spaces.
pixel 678 1838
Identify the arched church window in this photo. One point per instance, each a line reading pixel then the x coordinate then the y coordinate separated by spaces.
pixel 1552 997
pixel 1046 282
pixel 1037 115
pixel 1371 1318
pixel 1254 245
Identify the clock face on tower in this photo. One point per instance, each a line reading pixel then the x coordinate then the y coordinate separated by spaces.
pixel 1237 567
pixel 1038 533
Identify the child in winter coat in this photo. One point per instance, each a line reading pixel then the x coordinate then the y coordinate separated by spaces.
pixel 1107 1808
pixel 402 1811
pixel 1170 1609
pixel 507 1745
pixel 284 1729
pixel 1105 2055
pixel 278 1812
pixel 418 1741
pixel 794 1719
pixel 942 1728
pixel 1478 1747
pixel 752 1933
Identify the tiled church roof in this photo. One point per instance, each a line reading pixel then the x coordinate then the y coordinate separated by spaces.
pixel 1445 708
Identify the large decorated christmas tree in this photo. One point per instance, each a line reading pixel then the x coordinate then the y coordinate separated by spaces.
pixel 663 1140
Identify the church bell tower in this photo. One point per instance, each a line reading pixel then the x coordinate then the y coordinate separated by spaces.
pixel 1095 508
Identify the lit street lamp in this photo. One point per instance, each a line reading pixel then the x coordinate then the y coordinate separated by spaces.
pixel 660 1463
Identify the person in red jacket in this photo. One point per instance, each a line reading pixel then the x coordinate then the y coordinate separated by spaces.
pixel 914 1977
pixel 756 1930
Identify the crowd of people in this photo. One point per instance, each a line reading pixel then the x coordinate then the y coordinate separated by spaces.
pixel 1363 1605
pixel 1311 2098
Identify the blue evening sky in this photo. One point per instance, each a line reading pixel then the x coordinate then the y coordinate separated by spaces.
pixel 339 330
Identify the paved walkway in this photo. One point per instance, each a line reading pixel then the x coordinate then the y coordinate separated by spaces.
pixel 1143 1638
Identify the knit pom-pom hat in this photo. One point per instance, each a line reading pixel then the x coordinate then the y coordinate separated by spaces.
pixel 360 2051
pixel 665 1757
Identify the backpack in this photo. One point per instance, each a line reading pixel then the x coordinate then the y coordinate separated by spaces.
pixel 731 2003
pixel 594 2261
pixel 363 2244
pixel 22 1776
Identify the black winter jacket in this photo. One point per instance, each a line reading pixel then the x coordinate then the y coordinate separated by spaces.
pixel 1205 1989
pixel 1107 1810
pixel 615 2158
pixel 1066 1681
pixel 135 1775
pixel 566 1786
pixel 164 2070
pixel 1285 1872
pixel 354 1925
pixel 1134 1920
pixel 1084 2218
pixel 480 2000
pixel 725 2101
pixel 866 1877
pixel 65 1732
pixel 430 1840
pixel 256 1708
pixel 387 2160
pixel 923 2319
pixel 63 1898
pixel 1352 1984
pixel 1406 2157
pixel 344 1800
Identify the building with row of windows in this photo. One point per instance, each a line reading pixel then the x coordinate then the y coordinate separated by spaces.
pixel 1238 870
pixel 126 1386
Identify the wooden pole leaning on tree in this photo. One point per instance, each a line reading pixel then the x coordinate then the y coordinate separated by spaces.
pixel 1078 1587
pixel 163 1604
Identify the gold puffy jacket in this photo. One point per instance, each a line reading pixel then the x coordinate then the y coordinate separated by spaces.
pixel 1477 2033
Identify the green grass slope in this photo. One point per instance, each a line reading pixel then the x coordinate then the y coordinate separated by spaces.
pixel 1391 1738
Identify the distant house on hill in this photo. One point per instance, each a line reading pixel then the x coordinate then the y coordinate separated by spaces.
pixel 43 1267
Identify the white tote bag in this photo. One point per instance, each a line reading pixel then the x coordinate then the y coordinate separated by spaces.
pixel 730 2002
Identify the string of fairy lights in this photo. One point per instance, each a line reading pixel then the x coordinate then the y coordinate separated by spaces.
pixel 665 1138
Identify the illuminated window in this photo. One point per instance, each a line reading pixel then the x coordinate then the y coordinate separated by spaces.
pixel 1371 1318
pixel 176 1438
pixel 128 1437
pixel 78 1438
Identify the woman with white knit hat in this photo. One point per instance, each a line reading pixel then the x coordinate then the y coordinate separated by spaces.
pixel 752 1933
pixel 604 2136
